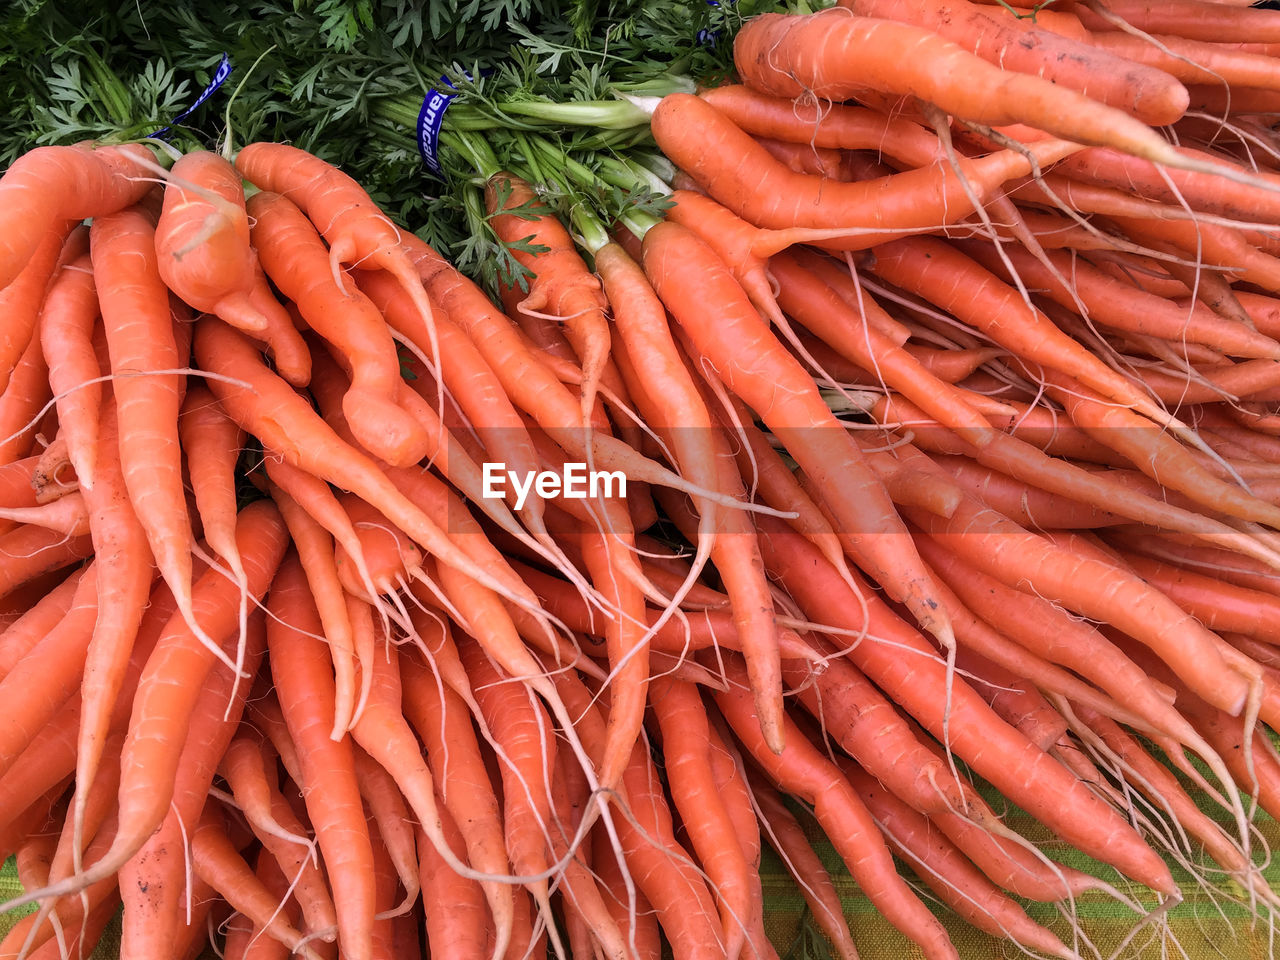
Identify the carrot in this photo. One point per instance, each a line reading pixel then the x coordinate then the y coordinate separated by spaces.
pixel 53 475
pixel 686 750
pixel 327 767
pixel 67 321
pixel 686 273
pixel 994 749
pixel 443 723
pixel 1193 19
pixel 832 126
pixel 944 868
pixel 1155 781
pixel 25 396
pixel 1024 47
pixel 216 861
pixel 789 56
pixel 248 766
pixel 812 161
pixel 457 920
pixel 640 928
pixel 50 185
pixel 141 338
pixel 391 832
pixel 153 878
pixel 163 705
pixel 1041 626
pixel 21 635
pixel 1057 572
pixel 45 677
pixel 657 863
pixel 202 246
pixel 285 422
pixel 1218 605
pixel 1021 502
pixel 470 380
pixel 1110 302
pixel 21 301
pixel 29 552
pixel 122 559
pixel 355 229
pixel 529 382
pixel 804 772
pixel 526 751
pixel 212 444
pixel 52 753
pixel 931 268
pixel 559 282
pixel 699 139
pixel 731 543
pixel 788 838
pixel 295 259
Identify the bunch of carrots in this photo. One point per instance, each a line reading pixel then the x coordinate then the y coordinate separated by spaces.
pixel 947 412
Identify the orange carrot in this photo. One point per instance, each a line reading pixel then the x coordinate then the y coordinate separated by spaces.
pixel 22 299
pixel 327 767
pixel 792 55
pixel 685 273
pixel 1023 46
pixel 295 258
pixel 50 185
pixel 699 139
pixel 803 771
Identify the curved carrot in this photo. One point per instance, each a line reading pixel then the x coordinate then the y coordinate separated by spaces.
pixel 831 125
pixel 203 251
pixel 50 185
pixel 355 229
pixel 560 283
pixel 700 140
pixel 295 258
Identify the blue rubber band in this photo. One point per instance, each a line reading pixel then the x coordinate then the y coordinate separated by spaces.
pixel 430 122
pixel 219 77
